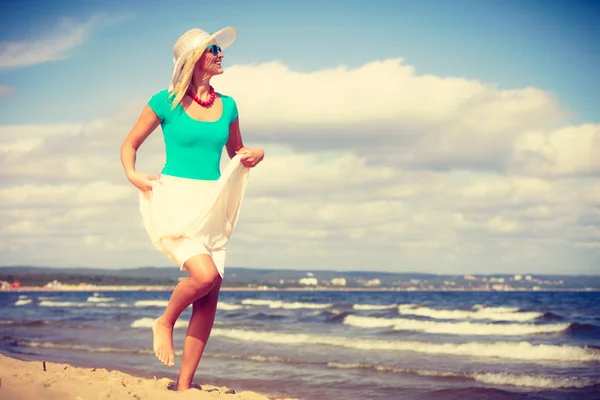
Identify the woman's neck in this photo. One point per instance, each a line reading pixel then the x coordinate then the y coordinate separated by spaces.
pixel 200 85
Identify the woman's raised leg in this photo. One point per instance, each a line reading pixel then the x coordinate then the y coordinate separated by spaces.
pixel 199 328
pixel 203 276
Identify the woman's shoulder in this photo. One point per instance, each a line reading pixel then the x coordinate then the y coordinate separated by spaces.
pixel 161 95
pixel 226 97
pixel 160 103
pixel 229 104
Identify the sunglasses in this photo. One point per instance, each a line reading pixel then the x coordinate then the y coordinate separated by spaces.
pixel 214 49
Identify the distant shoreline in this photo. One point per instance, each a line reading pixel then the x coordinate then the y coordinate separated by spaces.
pixel 150 288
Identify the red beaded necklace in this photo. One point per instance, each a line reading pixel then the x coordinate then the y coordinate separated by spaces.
pixel 207 103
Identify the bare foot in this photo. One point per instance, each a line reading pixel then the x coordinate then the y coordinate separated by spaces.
pixel 163 342
pixel 182 388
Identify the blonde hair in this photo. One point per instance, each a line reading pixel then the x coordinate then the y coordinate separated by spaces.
pixel 185 76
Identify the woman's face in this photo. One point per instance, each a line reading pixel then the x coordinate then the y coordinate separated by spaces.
pixel 209 62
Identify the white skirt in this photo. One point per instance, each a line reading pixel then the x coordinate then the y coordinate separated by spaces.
pixel 185 217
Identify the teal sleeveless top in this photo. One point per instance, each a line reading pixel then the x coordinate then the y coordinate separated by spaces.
pixel 193 148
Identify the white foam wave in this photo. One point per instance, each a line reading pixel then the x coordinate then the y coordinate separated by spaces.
pixel 503 350
pixel 151 303
pixel 534 381
pixel 63 304
pixel 81 304
pixel 483 313
pixel 492 378
pixel 284 305
pixel 99 299
pixel 23 296
pixel 496 309
pixel 452 328
pixel 149 322
pixel 80 347
pixel 228 306
pixel 373 306
pixel 23 302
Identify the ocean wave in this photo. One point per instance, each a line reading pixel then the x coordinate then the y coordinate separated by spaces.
pixel 584 330
pixel 284 305
pixel 96 298
pixel 496 309
pixel 483 313
pixel 534 381
pixel 23 302
pixel 501 350
pixel 335 315
pixel 47 303
pixel 76 347
pixel 546 381
pixel 261 316
pixel 368 307
pixel 229 306
pixel 453 328
pixel 151 303
pixel 149 322
pixel 81 304
pixel 491 378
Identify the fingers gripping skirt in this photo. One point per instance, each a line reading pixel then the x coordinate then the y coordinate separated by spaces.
pixel 185 217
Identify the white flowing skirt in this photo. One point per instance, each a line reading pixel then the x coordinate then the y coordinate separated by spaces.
pixel 185 217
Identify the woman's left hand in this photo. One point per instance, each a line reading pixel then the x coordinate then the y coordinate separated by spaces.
pixel 250 157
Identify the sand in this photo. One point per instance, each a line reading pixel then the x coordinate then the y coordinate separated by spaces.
pixel 27 380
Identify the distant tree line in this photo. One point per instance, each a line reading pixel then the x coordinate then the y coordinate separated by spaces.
pixel 69 279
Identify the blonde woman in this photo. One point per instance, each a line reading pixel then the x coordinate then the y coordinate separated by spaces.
pixel 191 208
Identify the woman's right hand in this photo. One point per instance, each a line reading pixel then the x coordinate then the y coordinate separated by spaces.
pixel 142 181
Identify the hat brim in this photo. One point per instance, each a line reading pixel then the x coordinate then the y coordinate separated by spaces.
pixel 224 38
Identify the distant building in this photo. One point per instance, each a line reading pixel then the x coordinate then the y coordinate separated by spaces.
pixel 54 284
pixel 338 281
pixel 469 278
pixel 373 282
pixel 308 281
pixel 518 277
pixel 528 278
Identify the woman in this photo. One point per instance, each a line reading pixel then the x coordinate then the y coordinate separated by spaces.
pixel 190 209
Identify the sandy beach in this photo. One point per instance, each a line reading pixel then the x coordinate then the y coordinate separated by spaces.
pixel 28 380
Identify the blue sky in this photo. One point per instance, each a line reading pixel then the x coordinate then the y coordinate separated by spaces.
pixel 471 142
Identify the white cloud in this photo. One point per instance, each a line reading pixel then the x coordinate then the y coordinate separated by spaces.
pixel 97 192
pixel 572 150
pixel 421 173
pixel 389 113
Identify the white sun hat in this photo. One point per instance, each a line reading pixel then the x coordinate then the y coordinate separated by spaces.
pixel 193 39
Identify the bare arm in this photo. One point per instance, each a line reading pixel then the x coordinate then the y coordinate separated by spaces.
pixel 145 125
pixel 235 145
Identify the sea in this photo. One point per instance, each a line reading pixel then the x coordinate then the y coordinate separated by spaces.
pixel 333 344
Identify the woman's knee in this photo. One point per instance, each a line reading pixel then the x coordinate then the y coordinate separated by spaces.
pixel 211 299
pixel 203 271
